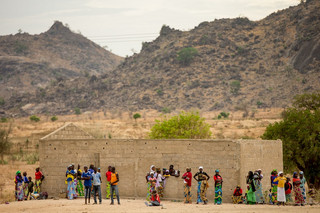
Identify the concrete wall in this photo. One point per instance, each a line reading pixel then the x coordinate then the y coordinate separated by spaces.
pixel 132 159
pixel 260 154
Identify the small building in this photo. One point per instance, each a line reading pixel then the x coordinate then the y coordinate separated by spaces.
pixel 133 158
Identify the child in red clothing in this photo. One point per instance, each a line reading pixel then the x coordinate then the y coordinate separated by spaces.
pixel 155 199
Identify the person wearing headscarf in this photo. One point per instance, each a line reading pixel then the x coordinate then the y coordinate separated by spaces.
pixel 150 179
pixel 199 176
pixel 303 185
pixel 108 176
pixel 187 178
pixel 298 197
pixel 281 195
pixel 258 185
pixel 18 180
pixel 237 195
pixel 274 186
pixel 70 174
pixel 251 197
pixel 218 187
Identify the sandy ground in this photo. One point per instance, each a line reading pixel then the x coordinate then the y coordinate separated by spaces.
pixel 64 205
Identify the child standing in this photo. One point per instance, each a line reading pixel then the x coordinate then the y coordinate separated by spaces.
pixel 30 188
pixel 312 194
pixel 25 185
pixel 281 196
pixel 86 176
pixel 288 189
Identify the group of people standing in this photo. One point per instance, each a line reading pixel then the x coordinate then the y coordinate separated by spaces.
pixel 280 192
pixel 157 182
pixel 202 178
pixel 24 186
pixel 92 183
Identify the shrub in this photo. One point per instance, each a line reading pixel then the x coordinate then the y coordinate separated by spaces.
pixel 223 115
pixel 4 120
pixel 186 125
pixel 235 87
pixel 31 158
pixel 20 47
pixel 166 110
pixel 136 116
pixel 186 55
pixel 54 118
pixel 77 111
pixel 34 118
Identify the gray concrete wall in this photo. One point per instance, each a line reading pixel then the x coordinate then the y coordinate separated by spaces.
pixel 132 159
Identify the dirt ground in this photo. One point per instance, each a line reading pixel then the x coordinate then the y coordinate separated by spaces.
pixel 77 205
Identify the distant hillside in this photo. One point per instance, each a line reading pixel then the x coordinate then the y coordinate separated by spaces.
pixel 241 64
pixel 29 62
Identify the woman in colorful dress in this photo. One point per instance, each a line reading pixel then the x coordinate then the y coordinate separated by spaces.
pixel 303 185
pixel 25 185
pixel 251 197
pixel 199 177
pixel 297 191
pixel 159 183
pixel 18 180
pixel 237 195
pixel 257 182
pixel 152 170
pixel 79 182
pixel 218 188
pixel 38 179
pixel 70 174
pixel 187 179
pixel 274 186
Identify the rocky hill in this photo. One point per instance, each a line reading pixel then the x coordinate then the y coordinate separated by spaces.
pixel 238 64
pixel 32 62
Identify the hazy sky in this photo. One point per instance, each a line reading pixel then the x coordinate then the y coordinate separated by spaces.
pixel 122 25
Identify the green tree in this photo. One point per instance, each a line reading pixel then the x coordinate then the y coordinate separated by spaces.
pixel 235 87
pixel 5 143
pixel 186 125
pixel 34 118
pixel 54 118
pixel 136 116
pixel 300 133
pixel 186 55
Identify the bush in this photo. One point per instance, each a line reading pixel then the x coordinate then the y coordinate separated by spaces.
pixel 235 87
pixel 223 115
pixel 186 125
pixel 34 118
pixel 136 116
pixel 4 120
pixel 31 158
pixel 20 47
pixel 54 118
pixel 77 111
pixel 186 55
pixel 166 110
